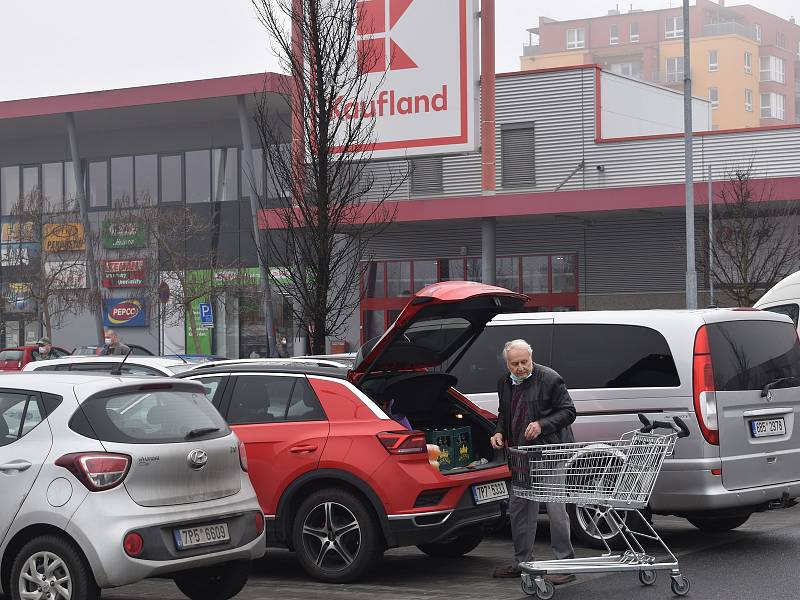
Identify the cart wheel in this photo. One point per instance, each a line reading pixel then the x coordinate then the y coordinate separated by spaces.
pixel 647 577
pixel 528 586
pixel 548 592
pixel 680 585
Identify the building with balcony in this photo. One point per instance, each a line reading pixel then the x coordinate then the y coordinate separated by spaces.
pixel 744 60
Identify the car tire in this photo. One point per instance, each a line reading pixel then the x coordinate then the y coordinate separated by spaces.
pixel 219 582
pixel 716 524
pixel 463 542
pixel 336 536
pixel 73 574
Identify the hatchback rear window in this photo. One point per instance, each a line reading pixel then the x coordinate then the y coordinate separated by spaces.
pixel 747 355
pixel 149 417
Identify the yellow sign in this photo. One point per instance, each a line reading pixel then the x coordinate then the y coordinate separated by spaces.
pixel 17 232
pixel 63 237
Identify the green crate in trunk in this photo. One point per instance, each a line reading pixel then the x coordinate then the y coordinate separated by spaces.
pixel 455 444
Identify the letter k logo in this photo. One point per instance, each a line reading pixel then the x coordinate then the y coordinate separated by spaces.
pixel 374 41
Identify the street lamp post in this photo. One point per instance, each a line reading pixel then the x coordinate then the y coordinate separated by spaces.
pixel 691 273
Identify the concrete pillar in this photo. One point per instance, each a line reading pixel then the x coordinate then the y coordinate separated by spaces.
pixel 488 250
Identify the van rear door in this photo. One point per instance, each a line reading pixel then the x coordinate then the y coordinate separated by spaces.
pixel 756 367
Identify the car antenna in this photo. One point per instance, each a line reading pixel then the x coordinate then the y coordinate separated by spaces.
pixel 118 370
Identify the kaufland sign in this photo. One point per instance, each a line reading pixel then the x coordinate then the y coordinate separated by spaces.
pixel 422 87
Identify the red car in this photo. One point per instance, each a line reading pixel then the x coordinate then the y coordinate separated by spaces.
pixel 13 359
pixel 338 479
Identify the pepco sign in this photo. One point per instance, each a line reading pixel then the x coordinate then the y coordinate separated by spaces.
pixel 127 312
pixel 421 88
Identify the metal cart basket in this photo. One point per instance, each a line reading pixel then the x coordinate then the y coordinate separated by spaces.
pixel 610 477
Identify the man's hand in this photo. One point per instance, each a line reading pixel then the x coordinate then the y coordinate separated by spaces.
pixel 533 430
pixel 497 441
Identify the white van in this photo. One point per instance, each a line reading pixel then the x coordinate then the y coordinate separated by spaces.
pixel 733 375
pixel 783 297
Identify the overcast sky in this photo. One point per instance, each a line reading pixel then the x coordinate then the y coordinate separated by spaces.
pixel 51 47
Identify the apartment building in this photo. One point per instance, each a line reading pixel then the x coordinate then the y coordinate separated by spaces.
pixel 744 60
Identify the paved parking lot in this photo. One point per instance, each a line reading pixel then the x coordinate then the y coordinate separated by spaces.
pixel 759 560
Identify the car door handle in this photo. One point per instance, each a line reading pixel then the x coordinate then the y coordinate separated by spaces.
pixel 302 449
pixel 15 465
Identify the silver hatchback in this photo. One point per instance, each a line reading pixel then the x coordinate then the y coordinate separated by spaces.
pixel 105 481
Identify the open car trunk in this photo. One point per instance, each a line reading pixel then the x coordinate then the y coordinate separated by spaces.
pixel 430 404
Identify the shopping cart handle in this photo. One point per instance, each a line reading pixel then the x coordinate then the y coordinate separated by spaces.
pixel 684 430
pixel 679 426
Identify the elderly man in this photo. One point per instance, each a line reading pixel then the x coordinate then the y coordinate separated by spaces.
pixel 113 344
pixel 535 408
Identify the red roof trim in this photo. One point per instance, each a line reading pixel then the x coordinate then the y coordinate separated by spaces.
pixel 549 70
pixel 149 94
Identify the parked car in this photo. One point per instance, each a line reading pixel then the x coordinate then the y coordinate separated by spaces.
pixel 107 481
pixel 783 298
pixel 16 357
pixel 730 374
pixel 338 479
pixel 97 350
pixel 348 359
pixel 132 365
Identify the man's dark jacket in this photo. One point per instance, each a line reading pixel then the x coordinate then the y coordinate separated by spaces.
pixel 547 401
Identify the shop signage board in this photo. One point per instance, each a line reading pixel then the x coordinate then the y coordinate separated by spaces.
pixel 63 237
pixel 124 273
pixel 21 254
pixel 120 235
pixel 18 232
pixel 124 312
pixel 422 78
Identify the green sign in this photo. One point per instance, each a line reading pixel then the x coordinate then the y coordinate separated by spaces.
pixel 119 235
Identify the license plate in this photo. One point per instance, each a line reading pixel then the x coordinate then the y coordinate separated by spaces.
pixel 767 427
pixel 202 535
pixel 488 492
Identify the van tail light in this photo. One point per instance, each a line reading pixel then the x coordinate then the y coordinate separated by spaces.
pixel 403 442
pixel 98 471
pixel 242 456
pixel 703 390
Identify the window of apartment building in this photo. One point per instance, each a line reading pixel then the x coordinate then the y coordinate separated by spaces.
pixel 426 176
pixel 517 155
pixel 780 39
pixel 748 62
pixel 713 60
pixel 629 69
pixel 575 38
pixel 758 32
pixel 673 27
pixel 772 69
pixel 634 32
pixel 122 179
pixel 98 183
pixel 773 106
pixel 675 69
pixel 171 178
pixel 713 97
pixel 613 35
pixel 748 100
pixel 146 179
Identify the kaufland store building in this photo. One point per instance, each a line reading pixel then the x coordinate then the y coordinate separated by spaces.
pixel 578 202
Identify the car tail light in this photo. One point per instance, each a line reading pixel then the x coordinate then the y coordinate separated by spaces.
pixel 705 400
pixel 259 522
pixel 98 471
pixel 403 442
pixel 242 456
pixel 133 544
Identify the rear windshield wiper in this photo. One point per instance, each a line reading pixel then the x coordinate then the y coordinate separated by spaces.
pixel 200 431
pixel 783 382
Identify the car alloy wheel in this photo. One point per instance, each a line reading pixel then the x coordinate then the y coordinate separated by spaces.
pixel 331 533
pixel 45 576
pixel 50 567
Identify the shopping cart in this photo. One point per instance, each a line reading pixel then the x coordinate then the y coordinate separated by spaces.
pixel 608 478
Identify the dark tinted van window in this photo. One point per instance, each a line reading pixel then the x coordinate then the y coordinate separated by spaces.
pixel 613 356
pixel 791 310
pixel 747 355
pixel 483 364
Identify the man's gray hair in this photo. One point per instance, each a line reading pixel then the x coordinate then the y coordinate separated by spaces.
pixel 516 344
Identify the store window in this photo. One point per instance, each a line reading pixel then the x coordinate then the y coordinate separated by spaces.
pixel 374 280
pixel 535 274
pixel 171 179
pixel 30 182
pixel 398 278
pixel 146 187
pixel 474 269
pixel 424 274
pixel 122 179
pixel 9 188
pixel 53 186
pixel 257 176
pixel 224 167
pixel 563 268
pixel 507 272
pixel 373 323
pixel 70 187
pixel 198 176
pixel 98 183
pixel 451 269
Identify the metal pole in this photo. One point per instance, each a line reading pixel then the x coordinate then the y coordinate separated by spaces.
pixel 710 240
pixel 87 237
pixel 488 250
pixel 691 273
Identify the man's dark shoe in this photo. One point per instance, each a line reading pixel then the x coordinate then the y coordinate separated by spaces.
pixel 560 579
pixel 507 571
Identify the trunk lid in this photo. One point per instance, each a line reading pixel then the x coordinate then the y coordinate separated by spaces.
pixel 756 374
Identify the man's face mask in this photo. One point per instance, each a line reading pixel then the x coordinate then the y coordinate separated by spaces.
pixel 108 340
pixel 42 349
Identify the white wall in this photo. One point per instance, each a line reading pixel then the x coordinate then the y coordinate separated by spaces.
pixel 630 108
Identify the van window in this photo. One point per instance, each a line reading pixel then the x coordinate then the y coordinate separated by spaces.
pixel 483 364
pixel 792 310
pixel 613 356
pixel 747 355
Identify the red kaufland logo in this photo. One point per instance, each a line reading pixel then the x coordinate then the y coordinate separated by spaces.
pixel 374 36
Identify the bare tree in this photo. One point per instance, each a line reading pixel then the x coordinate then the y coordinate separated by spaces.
pixel 46 258
pixel 755 240
pixel 322 197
